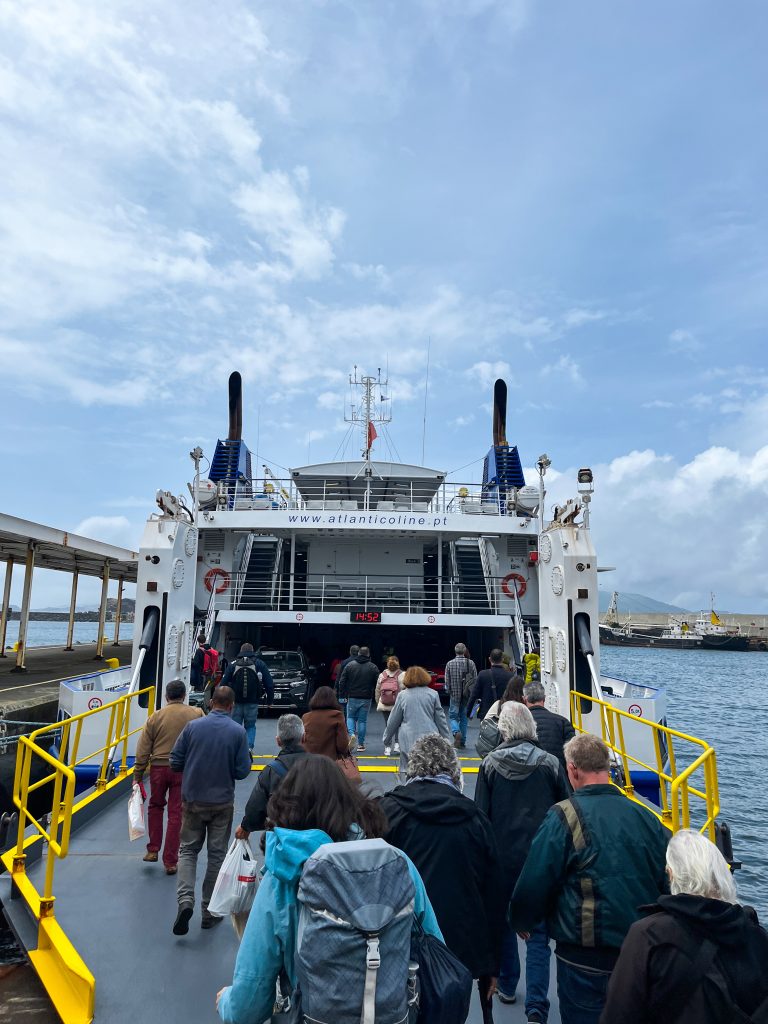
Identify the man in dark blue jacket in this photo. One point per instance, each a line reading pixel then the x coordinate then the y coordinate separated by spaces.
pixel 491 684
pixel 212 752
pixel 249 678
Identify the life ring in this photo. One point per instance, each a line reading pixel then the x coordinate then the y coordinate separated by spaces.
pixel 215 574
pixel 521 584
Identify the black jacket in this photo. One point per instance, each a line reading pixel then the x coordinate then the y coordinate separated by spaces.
pixel 553 731
pixel 255 815
pixel 654 980
pixel 451 842
pixel 490 686
pixel 517 784
pixel 358 679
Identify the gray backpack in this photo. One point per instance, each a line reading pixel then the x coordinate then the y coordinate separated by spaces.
pixel 354 937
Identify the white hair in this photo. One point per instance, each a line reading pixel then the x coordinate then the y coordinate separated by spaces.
pixel 697 867
pixel 290 729
pixel 516 722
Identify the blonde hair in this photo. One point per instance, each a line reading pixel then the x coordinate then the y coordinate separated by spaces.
pixel 393 664
pixel 416 676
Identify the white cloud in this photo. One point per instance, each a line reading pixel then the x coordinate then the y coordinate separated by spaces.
pixel 684 341
pixel 578 317
pixel 110 529
pixel 658 403
pixel 486 373
pixel 565 365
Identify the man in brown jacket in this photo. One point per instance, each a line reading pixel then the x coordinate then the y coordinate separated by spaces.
pixel 156 742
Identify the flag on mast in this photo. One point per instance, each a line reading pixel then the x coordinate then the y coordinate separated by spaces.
pixel 372 435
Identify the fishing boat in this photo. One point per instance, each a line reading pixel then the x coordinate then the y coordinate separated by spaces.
pixel 394 555
pixel 708 632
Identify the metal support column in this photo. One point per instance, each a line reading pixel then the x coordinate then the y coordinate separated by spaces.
pixel 72 606
pixel 102 613
pixel 293 570
pixel 29 569
pixel 118 612
pixel 6 605
pixel 439 572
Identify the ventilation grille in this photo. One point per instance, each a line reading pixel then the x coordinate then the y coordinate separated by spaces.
pixel 517 547
pixel 213 540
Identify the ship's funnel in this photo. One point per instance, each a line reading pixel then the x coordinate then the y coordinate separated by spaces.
pixel 235 407
pixel 499 413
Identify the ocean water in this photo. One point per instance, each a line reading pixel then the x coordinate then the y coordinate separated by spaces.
pixel 720 697
pixel 49 633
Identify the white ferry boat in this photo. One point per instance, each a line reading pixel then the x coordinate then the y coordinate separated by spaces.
pixel 370 550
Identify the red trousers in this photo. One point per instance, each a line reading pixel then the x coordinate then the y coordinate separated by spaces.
pixel 164 783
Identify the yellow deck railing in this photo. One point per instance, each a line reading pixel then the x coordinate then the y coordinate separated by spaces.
pixel 65 976
pixel 671 748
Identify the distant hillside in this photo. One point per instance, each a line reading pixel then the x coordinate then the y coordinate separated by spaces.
pixel 636 603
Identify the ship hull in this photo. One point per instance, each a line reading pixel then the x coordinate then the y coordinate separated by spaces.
pixel 616 639
pixel 725 643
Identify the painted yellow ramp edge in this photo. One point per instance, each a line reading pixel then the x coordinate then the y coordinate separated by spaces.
pixel 60 967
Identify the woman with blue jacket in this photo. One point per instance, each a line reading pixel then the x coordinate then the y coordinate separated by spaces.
pixel 314 805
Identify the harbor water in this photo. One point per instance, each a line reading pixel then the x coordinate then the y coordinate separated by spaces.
pixel 721 697
pixel 53 632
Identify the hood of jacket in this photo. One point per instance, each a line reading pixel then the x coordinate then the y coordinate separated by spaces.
pixel 287 850
pixel 723 923
pixel 429 801
pixel 362 659
pixel 516 759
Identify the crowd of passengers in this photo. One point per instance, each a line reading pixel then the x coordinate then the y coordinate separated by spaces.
pixel 647 926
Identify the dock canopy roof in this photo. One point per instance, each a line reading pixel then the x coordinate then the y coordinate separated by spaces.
pixel 58 549
pixel 384 481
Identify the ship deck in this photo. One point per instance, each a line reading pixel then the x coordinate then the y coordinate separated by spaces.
pixel 45 668
pixel 118 912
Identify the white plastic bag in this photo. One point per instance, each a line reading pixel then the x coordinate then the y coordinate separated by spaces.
pixel 237 881
pixel 135 814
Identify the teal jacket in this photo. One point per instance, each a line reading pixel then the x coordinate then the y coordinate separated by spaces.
pixel 269 941
pixel 595 860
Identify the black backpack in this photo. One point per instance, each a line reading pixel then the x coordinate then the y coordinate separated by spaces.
pixel 246 681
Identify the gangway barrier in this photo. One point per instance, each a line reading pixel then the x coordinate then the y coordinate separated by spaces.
pixel 676 788
pixel 65 976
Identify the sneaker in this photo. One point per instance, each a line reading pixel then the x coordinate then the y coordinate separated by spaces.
pixel 181 924
pixel 504 998
pixel 397 748
pixel 171 869
pixel 536 1018
pixel 150 856
pixel 457 740
pixel 210 921
pixel 353 743
pixel 387 751
pixel 361 748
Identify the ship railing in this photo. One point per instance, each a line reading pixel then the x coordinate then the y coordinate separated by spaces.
pixel 382 496
pixel 685 766
pixel 337 592
pixel 63 973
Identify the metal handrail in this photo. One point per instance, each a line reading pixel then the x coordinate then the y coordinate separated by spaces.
pixel 240 580
pixel 675 786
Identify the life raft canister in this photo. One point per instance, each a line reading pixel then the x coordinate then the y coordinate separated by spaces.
pixel 210 581
pixel 532 664
pixel 519 580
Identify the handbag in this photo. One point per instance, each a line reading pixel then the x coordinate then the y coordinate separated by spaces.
pixel 348 765
pixel 489 736
pixel 445 984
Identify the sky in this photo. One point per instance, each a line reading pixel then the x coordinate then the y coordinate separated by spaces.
pixel 570 196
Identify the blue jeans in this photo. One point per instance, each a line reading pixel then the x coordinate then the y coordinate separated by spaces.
pixel 581 993
pixel 537 954
pixel 246 714
pixel 357 717
pixel 457 716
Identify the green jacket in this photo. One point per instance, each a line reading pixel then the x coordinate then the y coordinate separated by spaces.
pixel 594 861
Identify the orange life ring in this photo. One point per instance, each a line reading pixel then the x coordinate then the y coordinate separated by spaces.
pixel 215 574
pixel 521 584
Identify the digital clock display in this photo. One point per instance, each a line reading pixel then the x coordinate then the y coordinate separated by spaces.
pixel 365 615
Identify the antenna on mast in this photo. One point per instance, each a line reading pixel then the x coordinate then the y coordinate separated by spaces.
pixel 426 390
pixel 369 411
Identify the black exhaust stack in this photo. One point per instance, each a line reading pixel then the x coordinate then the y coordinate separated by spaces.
pixel 499 413
pixel 235 407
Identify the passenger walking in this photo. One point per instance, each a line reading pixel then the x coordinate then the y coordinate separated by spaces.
pixel 340 664
pixel 290 733
pixel 517 784
pixel 596 859
pixel 416 713
pixel 249 678
pixel 553 730
pixel 388 685
pixel 698 954
pixel 196 680
pixel 160 732
pixel 212 752
pixel 460 678
pixel 513 691
pixel 357 682
pixel 325 730
pixel 315 806
pixel 452 843
pixel 490 685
